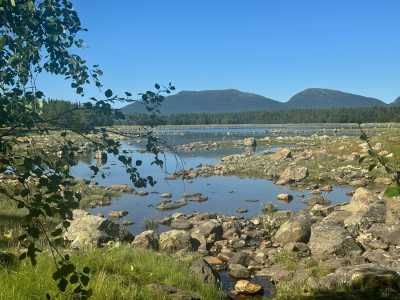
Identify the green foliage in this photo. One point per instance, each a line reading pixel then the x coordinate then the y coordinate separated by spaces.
pixel 117 273
pixel 39 36
pixel 392 191
pixel 334 115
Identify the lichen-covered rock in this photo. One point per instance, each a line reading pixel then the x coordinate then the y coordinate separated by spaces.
pixel 204 272
pixel 293 174
pixel 247 288
pixel 365 277
pixel 175 240
pixel 296 229
pixel 148 239
pixel 88 230
pixel 329 238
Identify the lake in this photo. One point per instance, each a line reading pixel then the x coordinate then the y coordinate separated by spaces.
pixel 225 194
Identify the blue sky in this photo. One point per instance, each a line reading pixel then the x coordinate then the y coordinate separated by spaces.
pixel 273 48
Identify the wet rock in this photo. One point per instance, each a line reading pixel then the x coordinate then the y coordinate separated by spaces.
pixel 296 229
pixel 327 188
pixel 284 197
pixel 120 188
pixel 204 272
pixel 147 240
pixel 168 205
pixel 117 214
pixel 293 174
pixel 175 240
pixel 242 210
pixel 238 271
pixel 127 222
pixel 142 193
pixel 245 287
pixel 87 230
pixel 166 195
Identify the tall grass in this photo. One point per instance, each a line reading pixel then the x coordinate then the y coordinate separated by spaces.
pixel 117 273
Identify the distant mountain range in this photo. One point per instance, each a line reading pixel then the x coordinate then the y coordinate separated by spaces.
pixel 218 101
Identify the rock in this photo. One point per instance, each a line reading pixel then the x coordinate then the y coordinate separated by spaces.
pixel 88 230
pixel 281 154
pixel 242 210
pixel 175 240
pixel 240 258
pixel 142 193
pixel 296 229
pixel 392 210
pixel 284 197
pixel 127 222
pixel 117 214
pixel 204 271
pixel 365 278
pixel 327 188
pixel 166 195
pixel 329 238
pixel 120 188
pixel 168 205
pixel 361 200
pixel 181 224
pixel 247 288
pixel 383 181
pixel 238 271
pixel 292 174
pixel 250 142
pixel 147 240
pixel 301 249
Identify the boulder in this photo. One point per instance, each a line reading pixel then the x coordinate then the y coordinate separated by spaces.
pixel 204 272
pixel 120 188
pixel 281 154
pixel 89 230
pixel 247 288
pixel 365 277
pixel 175 240
pixel 147 240
pixel 361 200
pixel 392 210
pixel 296 229
pixel 330 238
pixel 206 233
pixel 292 174
pixel 238 271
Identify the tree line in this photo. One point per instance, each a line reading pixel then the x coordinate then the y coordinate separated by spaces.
pixel 337 115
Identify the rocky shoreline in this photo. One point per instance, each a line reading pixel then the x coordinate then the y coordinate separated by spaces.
pixel 324 248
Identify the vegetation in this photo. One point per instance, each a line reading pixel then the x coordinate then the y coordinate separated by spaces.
pixel 118 273
pixel 42 36
pixel 333 115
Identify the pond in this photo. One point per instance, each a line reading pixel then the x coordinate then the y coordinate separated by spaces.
pixel 226 194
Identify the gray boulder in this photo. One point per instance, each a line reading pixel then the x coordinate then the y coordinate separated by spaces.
pixel 147 240
pixel 296 229
pixel 175 240
pixel 204 271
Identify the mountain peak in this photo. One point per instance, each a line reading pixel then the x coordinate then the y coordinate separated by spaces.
pixel 328 98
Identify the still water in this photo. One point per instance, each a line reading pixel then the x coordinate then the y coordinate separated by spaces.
pixel 225 194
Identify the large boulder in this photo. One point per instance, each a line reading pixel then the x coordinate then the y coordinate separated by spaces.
pixel 365 278
pixel 148 239
pixel 175 240
pixel 361 200
pixel 293 174
pixel 207 233
pixel 204 272
pixel 392 210
pixel 296 229
pixel 88 230
pixel 329 238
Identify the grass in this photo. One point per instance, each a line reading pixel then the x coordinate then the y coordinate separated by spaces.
pixel 117 273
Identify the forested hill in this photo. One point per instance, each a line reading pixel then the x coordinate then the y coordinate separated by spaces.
pixel 220 101
pixel 325 98
pixel 210 101
pixel 396 102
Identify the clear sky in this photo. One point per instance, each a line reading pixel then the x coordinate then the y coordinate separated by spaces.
pixel 271 47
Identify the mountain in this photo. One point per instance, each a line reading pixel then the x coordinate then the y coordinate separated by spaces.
pixel 325 98
pixel 396 102
pixel 213 101
pixel 218 101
